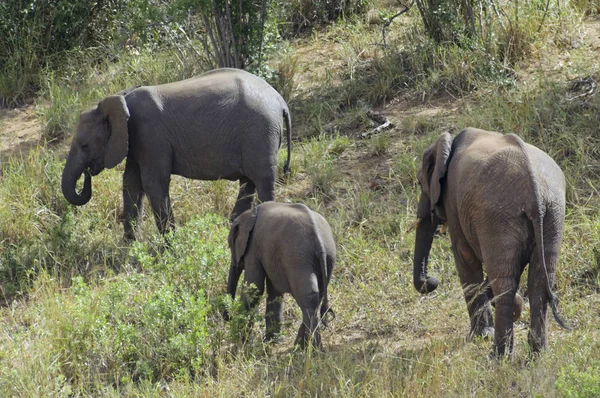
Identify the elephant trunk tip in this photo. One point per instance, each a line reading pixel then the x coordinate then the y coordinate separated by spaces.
pixel 68 182
pixel 426 286
pixel 226 316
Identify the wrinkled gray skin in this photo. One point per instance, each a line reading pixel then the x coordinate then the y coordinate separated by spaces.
pixel 292 249
pixel 226 123
pixel 504 204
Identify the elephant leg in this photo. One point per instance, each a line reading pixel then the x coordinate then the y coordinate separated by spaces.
pixel 133 196
pixel 156 186
pixel 266 188
pixel 274 312
pixel 504 289
pixel 470 272
pixel 538 301
pixel 536 281
pixel 252 291
pixel 244 199
pixel 309 332
pixel 504 262
pixel 254 284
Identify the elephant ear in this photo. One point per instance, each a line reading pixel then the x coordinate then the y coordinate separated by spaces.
pixel 442 155
pixel 239 235
pixel 115 109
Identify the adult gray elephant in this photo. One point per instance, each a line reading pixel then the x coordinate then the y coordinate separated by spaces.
pixel 225 123
pixel 291 248
pixel 504 205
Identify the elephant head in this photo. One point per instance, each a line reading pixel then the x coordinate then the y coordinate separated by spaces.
pixel 430 212
pixel 239 240
pixel 101 141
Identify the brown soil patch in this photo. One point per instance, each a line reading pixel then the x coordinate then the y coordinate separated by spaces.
pixel 20 130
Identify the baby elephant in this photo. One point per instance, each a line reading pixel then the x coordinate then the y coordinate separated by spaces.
pixel 291 248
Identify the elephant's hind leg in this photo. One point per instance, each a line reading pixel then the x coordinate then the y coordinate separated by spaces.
pixel 309 332
pixel 265 186
pixel 470 272
pixel 504 266
pixel 274 312
pixel 244 199
pixel 537 284
pixel 504 289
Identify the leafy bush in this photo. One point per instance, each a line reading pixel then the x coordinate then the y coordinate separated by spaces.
pixel 147 326
pixel 36 34
pixel 581 383
pixel 133 328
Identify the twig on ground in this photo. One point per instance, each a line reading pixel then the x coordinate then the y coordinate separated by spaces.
pixel 384 123
pixel 586 83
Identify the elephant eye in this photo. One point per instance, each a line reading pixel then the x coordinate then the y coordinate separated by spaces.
pixel 85 146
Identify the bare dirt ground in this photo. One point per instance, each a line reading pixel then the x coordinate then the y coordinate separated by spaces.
pixel 20 130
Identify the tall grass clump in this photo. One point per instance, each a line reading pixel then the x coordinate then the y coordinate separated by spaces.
pixel 305 14
pixel 320 163
pixel 414 66
pixel 41 231
pixel 547 117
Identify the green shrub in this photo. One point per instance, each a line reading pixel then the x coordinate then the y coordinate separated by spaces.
pixel 35 35
pixel 148 326
pixel 132 328
pixel 572 381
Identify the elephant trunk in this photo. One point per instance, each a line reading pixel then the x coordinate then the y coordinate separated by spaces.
pixel 425 231
pixel 73 170
pixel 235 271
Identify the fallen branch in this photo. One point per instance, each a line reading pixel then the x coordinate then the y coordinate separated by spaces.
pixel 587 83
pixel 384 123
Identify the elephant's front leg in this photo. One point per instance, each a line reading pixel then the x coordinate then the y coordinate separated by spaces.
pixel 274 312
pixel 156 186
pixel 133 196
pixel 253 289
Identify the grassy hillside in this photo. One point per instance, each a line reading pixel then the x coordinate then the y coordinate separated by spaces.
pixel 85 314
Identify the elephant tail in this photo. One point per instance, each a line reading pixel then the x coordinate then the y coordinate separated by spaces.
pixel 538 228
pixel 325 266
pixel 288 128
pixel 537 218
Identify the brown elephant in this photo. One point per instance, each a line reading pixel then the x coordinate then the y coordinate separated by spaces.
pixel 223 124
pixel 292 249
pixel 504 205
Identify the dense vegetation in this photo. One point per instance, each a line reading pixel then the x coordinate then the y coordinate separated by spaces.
pixel 85 314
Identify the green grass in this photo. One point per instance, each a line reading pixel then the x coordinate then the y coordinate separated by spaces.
pixel 85 314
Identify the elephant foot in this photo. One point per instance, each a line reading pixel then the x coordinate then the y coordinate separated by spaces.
pixel 273 338
pixel 486 333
